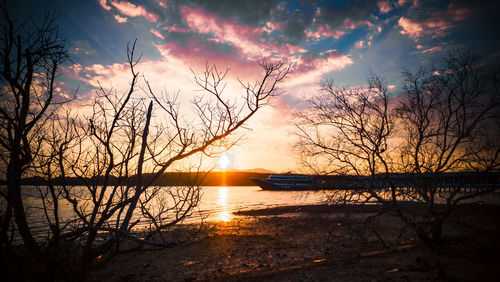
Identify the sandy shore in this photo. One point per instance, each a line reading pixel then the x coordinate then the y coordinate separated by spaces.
pixel 303 243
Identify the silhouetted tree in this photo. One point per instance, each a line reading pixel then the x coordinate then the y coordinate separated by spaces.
pixel 117 151
pixel 448 117
pixel 31 55
pixel 119 142
pixel 438 126
pixel 347 129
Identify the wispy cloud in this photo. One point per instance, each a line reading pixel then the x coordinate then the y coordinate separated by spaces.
pixel 131 10
pixel 325 31
pixel 431 50
pixel 157 33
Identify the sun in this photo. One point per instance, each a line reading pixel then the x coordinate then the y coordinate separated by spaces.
pixel 224 161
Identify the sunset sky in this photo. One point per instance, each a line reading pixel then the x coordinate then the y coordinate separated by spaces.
pixel 339 39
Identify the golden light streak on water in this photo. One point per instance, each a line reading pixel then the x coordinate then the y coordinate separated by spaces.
pixel 225 214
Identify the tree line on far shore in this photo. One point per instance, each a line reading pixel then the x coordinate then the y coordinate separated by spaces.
pixel 214 178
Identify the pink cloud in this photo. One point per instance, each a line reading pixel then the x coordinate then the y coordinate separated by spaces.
pixel 250 47
pixel 305 70
pixel 195 54
pixel 410 27
pixel 120 19
pixel 162 3
pixel 132 10
pixel 311 70
pixel 436 25
pixel 175 28
pixel 72 71
pixel 97 72
pixel 403 2
pixel 414 29
pixel 244 38
pixel 325 31
pixel 431 50
pixel 384 6
pixel 348 24
pixel 271 26
pixel 157 33
pixel 104 5
pixel 359 44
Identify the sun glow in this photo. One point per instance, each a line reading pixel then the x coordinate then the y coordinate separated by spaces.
pixel 224 161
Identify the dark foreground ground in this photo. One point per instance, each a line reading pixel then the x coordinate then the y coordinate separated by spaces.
pixel 313 243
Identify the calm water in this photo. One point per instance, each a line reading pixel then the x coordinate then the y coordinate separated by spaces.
pixel 217 204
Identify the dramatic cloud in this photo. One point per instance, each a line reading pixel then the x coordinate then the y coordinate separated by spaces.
pixel 436 25
pixel 242 37
pixel 339 39
pixel 246 39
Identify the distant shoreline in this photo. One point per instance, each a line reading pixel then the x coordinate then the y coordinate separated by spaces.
pixel 324 209
pixel 167 179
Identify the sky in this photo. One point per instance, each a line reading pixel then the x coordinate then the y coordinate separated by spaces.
pixel 342 40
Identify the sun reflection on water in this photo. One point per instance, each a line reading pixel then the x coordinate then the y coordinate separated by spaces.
pixel 224 213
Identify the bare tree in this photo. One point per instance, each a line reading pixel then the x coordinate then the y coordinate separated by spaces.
pixel 119 151
pixel 348 131
pixel 445 114
pixel 31 54
pixel 437 127
pixel 348 127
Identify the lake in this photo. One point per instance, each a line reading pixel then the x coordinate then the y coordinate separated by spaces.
pixel 217 204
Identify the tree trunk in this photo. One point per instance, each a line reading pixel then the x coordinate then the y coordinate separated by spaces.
pixel 15 199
